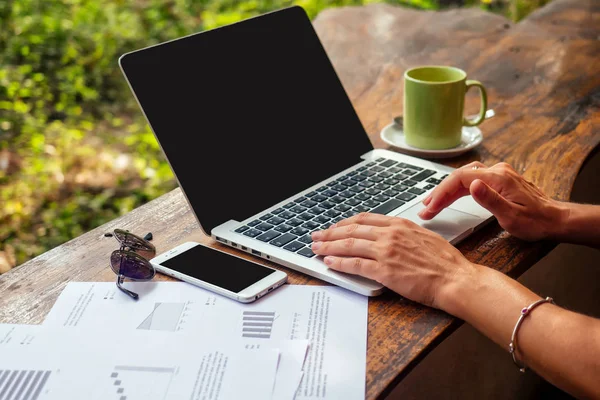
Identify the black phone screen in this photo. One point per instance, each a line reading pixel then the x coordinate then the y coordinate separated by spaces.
pixel 217 268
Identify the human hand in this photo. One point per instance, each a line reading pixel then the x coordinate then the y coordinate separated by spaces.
pixel 412 261
pixel 519 206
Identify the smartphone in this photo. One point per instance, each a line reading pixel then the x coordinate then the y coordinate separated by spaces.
pixel 219 272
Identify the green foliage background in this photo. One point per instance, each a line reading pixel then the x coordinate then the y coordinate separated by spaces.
pixel 75 151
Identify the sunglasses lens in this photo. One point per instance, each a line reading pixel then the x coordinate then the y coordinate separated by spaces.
pixel 135 242
pixel 131 265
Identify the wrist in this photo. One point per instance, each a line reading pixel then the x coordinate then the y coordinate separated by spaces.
pixel 560 221
pixel 454 296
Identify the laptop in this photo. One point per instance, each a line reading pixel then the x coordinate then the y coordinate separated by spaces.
pixel 267 147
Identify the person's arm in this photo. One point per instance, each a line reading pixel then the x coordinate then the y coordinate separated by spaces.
pixel 518 205
pixel 562 346
pixel 581 225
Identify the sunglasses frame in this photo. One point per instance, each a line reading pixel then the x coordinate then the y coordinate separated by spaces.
pixel 134 248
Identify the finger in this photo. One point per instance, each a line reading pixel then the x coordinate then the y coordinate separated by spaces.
pixel 353 265
pixel 346 231
pixel 366 218
pixel 349 247
pixel 490 199
pixel 455 186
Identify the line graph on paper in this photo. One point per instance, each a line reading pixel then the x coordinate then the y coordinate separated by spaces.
pixel 166 317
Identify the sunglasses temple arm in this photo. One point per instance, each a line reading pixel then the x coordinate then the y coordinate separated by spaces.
pixel 131 294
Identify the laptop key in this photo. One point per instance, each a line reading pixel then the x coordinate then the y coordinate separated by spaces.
pixel 254 223
pixel 275 220
pixel 393 170
pixel 373 191
pixel 388 206
pixel 268 236
pixel 342 207
pixel 310 225
pixel 401 177
pixel 376 169
pixel 306 252
pixel 376 179
pixel 409 182
pixel 388 163
pixel 391 193
pixel 423 175
pixel 356 189
pixel 385 174
pixel 370 204
pixel 242 229
pixel 362 197
pixel 311 194
pixel 316 210
pixel 429 186
pixel 382 186
pixel 404 165
pixel 308 203
pixel 434 181
pixel 391 181
pixel 380 159
pixel 358 178
pixel 319 198
pixel 294 222
pixel 327 205
pixel 361 168
pixel 252 232
pixel 282 240
pixel 416 190
pixel 349 182
pixel 300 199
pixel 325 226
pixel 264 226
pixel 283 228
pixel 294 246
pixel 367 184
pixel 400 188
pixel 266 217
pixel 277 211
pixel 347 194
pixel 286 215
pixel 321 219
pixel 409 172
pixel 299 231
pixel 338 199
pixel 298 209
pixel 352 202
pixel 349 214
pixel 336 220
pixel 306 239
pixel 339 188
pixel 361 208
pixel 289 205
pixel 332 213
pixel 329 193
pixel 370 164
pixel 406 196
pixel 381 198
pixel 305 216
pixel 322 188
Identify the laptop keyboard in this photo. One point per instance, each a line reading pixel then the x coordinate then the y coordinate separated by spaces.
pixel 378 187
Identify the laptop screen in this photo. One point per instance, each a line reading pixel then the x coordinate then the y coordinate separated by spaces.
pixel 247 114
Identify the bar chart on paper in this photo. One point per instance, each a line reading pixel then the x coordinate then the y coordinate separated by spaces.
pixel 139 382
pixel 257 324
pixel 22 385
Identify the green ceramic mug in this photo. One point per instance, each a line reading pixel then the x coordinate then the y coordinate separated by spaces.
pixel 434 98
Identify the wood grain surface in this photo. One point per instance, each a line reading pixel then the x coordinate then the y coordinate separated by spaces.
pixel 543 80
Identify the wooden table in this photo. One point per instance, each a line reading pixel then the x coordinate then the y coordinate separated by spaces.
pixel 543 80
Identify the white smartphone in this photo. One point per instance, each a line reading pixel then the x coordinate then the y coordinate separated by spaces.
pixel 219 272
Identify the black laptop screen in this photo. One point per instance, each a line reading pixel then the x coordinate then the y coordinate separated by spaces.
pixel 247 114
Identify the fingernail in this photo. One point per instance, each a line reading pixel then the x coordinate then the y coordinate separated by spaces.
pixel 316 245
pixel 332 226
pixel 328 260
pixel 427 200
pixel 316 235
pixel 421 213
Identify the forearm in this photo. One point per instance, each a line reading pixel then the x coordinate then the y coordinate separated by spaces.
pixel 581 224
pixel 561 346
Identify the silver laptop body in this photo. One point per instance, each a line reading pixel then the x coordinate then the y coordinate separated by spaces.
pixel 251 115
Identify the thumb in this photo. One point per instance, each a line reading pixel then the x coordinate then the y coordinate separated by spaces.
pixel 489 198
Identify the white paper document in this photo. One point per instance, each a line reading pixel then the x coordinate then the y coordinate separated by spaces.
pixel 332 320
pixel 59 363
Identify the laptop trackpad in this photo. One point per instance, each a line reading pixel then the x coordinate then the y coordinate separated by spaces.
pixel 449 223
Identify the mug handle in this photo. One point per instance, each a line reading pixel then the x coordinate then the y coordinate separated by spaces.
pixel 481 117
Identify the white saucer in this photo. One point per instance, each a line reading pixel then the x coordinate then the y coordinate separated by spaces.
pixel 393 135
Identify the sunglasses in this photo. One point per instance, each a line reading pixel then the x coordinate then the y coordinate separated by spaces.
pixel 131 260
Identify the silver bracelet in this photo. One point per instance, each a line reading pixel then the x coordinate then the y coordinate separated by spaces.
pixel 512 346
